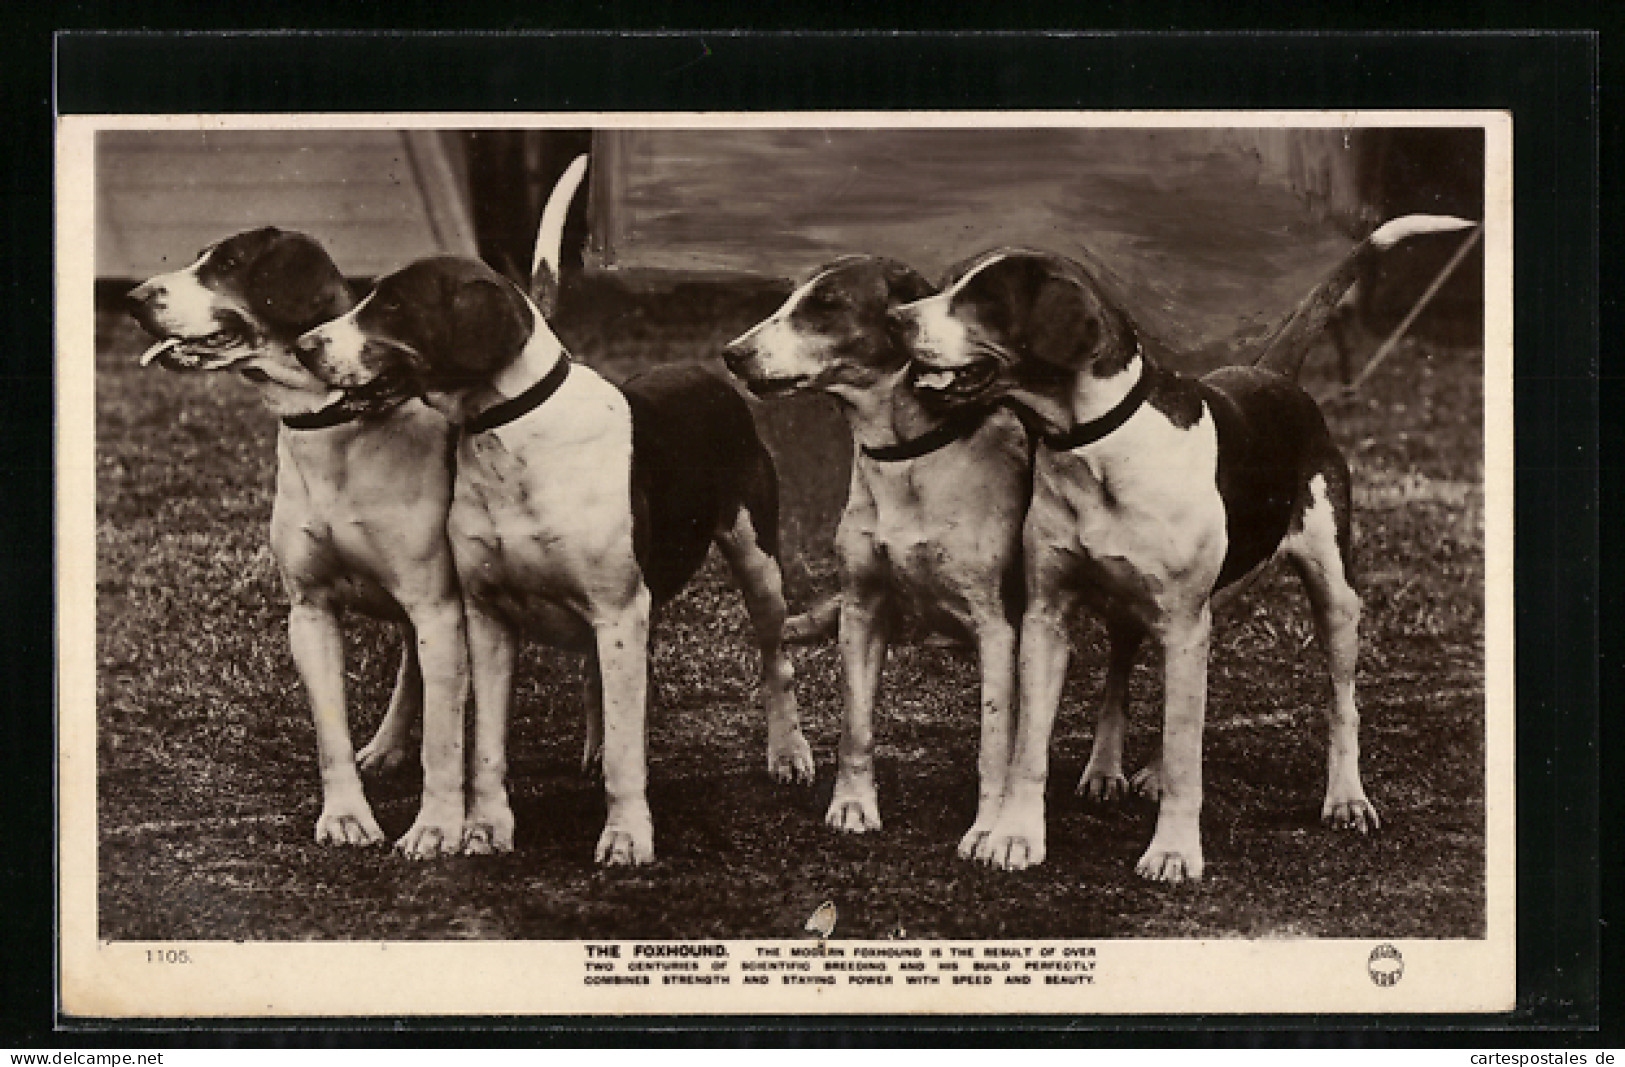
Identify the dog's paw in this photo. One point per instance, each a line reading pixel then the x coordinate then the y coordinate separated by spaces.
pixel 971 843
pixel 1170 865
pixel 1147 781
pixel 1350 813
pixel 854 810
pixel 488 827
pixel 434 833
pixel 1102 786
pixel 790 759
pixel 347 822
pixel 382 757
pixel 625 847
pixel 1010 848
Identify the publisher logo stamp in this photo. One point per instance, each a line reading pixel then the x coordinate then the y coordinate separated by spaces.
pixel 1385 965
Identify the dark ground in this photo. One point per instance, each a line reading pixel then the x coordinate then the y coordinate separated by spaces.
pixel 208 791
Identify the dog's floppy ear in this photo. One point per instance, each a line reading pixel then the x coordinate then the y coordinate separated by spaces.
pixel 489 323
pixel 1063 324
pixel 905 285
pixel 293 286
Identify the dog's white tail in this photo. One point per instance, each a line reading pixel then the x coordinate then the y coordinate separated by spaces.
pixel 544 266
pixel 1290 341
pixel 1391 233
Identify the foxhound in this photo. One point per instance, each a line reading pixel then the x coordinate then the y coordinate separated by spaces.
pixel 1153 493
pixel 576 507
pixel 363 486
pixel 933 516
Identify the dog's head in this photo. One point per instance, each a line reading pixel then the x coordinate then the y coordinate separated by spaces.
pixel 241 305
pixel 437 326
pixel 831 333
pixel 1018 324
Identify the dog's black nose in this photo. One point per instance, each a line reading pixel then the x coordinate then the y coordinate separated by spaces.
pixel 139 297
pixel 735 355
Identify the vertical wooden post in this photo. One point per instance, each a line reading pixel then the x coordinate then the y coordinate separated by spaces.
pixel 606 206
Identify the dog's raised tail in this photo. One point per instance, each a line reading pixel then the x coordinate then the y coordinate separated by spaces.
pixel 1287 346
pixel 544 265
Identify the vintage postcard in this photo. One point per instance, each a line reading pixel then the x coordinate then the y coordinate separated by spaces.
pixel 1017 563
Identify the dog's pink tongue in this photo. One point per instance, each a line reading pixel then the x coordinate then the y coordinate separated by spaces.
pixel 159 349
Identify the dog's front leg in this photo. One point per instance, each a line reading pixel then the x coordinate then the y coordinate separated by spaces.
pixel 489 826
pixel 996 644
pixel 854 807
pixel 623 658
pixel 1017 838
pixel 442 651
pixel 318 652
pixel 1175 853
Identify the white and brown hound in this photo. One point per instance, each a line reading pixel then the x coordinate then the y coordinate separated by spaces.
pixel 933 516
pixel 577 505
pixel 1152 493
pixel 362 489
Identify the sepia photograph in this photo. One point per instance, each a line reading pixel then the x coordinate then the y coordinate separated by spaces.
pixel 789 562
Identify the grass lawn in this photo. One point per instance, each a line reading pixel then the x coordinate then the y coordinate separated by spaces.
pixel 207 759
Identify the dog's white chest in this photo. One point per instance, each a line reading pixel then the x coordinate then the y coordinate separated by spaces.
pixel 938 532
pixel 540 530
pixel 1143 517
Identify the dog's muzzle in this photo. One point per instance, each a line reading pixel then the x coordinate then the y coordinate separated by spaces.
pixel 742 362
pixel 955 382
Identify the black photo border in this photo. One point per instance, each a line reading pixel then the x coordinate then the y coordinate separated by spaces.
pixel 1547 81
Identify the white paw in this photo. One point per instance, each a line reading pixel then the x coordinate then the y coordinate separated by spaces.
pixel 1011 849
pixel 1350 813
pixel 382 757
pixel 1170 865
pixel 1101 786
pixel 347 822
pixel 620 846
pixel 971 843
pixel 488 827
pixel 854 809
pixel 437 831
pixel 790 759
pixel 1147 782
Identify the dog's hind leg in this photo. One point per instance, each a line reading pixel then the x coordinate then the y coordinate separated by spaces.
pixel 1103 776
pixel 491 649
pixel 1318 552
pixel 390 746
pixel 817 623
pixel 789 757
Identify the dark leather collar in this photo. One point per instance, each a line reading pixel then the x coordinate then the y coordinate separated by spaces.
pixel 344 410
pixel 956 427
pixel 1085 433
pixel 523 404
pixel 337 413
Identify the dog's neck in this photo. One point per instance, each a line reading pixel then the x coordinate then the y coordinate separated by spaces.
pixel 285 387
pixel 1093 397
pixel 885 412
pixel 540 355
